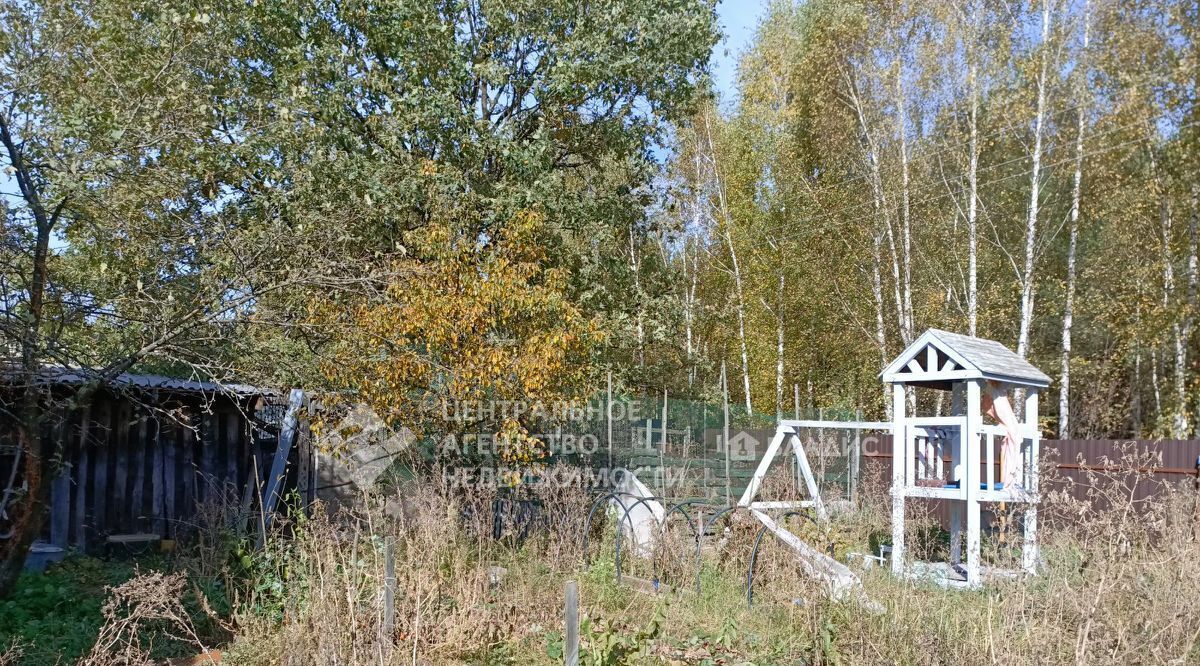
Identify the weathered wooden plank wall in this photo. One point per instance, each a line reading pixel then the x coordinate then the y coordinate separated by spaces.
pixel 130 468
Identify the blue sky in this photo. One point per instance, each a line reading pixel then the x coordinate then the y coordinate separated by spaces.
pixel 738 19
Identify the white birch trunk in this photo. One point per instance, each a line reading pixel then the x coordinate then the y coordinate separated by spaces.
pixel 1183 332
pixel 1178 416
pixel 1193 279
pixel 880 330
pixel 881 203
pixel 1179 422
pixel 779 321
pixel 1135 407
pixel 906 313
pixel 1154 383
pixel 1166 229
pixel 882 225
pixel 737 270
pixel 1064 391
pixel 698 210
pixel 741 313
pixel 1035 176
pixel 973 206
pixel 690 312
pixel 637 286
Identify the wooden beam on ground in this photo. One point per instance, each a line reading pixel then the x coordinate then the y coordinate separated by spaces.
pixel 840 582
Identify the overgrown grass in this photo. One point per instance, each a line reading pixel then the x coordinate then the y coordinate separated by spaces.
pixel 1120 584
pixel 56 615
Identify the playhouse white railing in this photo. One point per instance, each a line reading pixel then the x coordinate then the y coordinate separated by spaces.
pixel 934 461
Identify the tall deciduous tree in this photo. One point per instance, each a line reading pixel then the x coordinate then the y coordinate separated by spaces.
pixel 946 164
pixel 120 246
pixel 200 186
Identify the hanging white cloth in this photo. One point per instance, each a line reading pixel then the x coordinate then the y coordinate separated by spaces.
pixel 997 405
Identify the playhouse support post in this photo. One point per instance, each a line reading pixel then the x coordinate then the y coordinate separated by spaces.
pixel 1029 550
pixel 958 407
pixel 971 451
pixel 900 456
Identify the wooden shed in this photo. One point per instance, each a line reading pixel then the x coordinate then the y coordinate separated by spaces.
pixel 145 453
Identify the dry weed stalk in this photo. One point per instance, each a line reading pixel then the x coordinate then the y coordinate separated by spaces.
pixel 138 611
pixel 456 588
pixel 11 656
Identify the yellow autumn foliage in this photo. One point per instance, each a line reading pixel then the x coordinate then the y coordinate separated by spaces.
pixel 466 319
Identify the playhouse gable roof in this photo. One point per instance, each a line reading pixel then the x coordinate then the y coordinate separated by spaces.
pixel 939 357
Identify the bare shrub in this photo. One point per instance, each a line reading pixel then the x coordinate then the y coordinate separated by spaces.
pixel 11 656
pixel 144 609
pixel 563 511
pixel 1128 553
pixel 221 520
pixel 1120 583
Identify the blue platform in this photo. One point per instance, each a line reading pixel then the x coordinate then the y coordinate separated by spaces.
pixel 983 486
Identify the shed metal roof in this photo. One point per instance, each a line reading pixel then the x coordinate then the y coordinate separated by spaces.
pixel 972 358
pixel 74 376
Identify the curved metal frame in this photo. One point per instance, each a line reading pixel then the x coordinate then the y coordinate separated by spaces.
pixel 678 508
pixel 754 553
pixel 587 525
pixel 624 518
pixel 700 538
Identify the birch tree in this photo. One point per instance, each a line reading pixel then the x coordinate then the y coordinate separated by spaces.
pixel 724 225
pixel 1035 181
pixel 1080 97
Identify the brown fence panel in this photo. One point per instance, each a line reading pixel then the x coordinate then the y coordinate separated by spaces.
pixel 1149 464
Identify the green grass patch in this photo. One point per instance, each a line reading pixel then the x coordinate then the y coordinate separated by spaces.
pixel 56 615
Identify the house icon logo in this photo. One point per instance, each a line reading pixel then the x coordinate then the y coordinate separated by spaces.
pixel 743 446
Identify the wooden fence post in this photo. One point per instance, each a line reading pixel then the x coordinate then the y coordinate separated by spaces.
pixel 571 616
pixel 821 441
pixel 608 422
pixel 389 593
pixel 856 458
pixel 662 447
pixel 725 433
pixel 81 477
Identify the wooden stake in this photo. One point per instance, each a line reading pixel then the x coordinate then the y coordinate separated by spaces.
pixel 571 618
pixel 662 447
pixel 81 477
pixel 389 593
pixel 821 439
pixel 725 433
pixel 608 419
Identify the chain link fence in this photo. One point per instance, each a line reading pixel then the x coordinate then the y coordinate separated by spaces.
pixel 677 447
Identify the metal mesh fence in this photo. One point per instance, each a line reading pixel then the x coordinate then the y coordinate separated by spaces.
pixel 677 447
